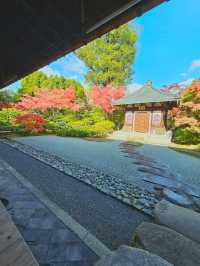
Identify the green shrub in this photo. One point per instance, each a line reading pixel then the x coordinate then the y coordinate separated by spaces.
pixel 102 128
pixel 88 123
pixel 80 128
pixel 57 120
pixel 93 115
pixel 183 136
pixel 78 124
pixel 8 118
pixel 117 117
pixel 53 126
pixel 85 123
pixel 74 132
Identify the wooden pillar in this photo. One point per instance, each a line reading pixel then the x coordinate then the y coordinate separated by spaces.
pixel 150 122
pixel 133 124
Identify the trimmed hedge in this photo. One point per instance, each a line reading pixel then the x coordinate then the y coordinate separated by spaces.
pixel 87 124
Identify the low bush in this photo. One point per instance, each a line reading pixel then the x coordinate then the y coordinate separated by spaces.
pixel 93 115
pixel 90 123
pixel 102 128
pixel 58 120
pixel 184 136
pixel 74 132
pixel 8 117
pixel 86 123
pixel 80 129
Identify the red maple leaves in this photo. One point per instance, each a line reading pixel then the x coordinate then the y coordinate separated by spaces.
pixel 104 95
pixel 33 123
pixel 57 98
pixel 189 111
pixel 47 99
pixel 5 105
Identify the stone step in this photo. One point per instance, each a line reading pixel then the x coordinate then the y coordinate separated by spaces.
pixel 182 220
pixel 128 256
pixel 168 244
pixel 141 137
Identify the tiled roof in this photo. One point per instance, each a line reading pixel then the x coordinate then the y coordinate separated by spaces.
pixel 145 95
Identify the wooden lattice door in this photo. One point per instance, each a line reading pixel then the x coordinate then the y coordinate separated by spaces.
pixel 141 123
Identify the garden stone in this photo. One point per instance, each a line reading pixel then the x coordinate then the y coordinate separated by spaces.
pixel 197 203
pixel 168 244
pixel 126 200
pixel 182 220
pixel 180 199
pixel 172 184
pixel 127 256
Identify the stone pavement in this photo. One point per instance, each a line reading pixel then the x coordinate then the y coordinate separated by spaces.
pixel 51 242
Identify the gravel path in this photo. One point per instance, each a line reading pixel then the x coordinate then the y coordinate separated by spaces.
pixel 108 219
pixel 186 167
pixel 109 156
pixel 104 155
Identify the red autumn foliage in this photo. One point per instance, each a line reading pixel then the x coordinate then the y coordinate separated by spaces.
pixel 33 123
pixel 175 111
pixel 189 111
pixel 104 95
pixel 47 99
pixel 5 105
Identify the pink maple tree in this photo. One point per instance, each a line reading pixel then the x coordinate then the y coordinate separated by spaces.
pixel 50 99
pixel 104 95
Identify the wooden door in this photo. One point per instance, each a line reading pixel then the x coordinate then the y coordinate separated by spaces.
pixel 141 123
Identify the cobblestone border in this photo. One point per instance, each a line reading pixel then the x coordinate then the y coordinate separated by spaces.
pixel 113 186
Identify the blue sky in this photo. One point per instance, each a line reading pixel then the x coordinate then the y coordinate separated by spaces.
pixel 168 48
pixel 169 43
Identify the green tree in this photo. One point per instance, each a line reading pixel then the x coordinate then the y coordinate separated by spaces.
pixel 31 83
pixel 6 96
pixel 60 82
pixel 54 81
pixel 109 58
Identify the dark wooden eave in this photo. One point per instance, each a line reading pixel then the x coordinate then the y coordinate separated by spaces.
pixel 37 32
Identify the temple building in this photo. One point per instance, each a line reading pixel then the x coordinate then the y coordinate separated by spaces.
pixel 146 110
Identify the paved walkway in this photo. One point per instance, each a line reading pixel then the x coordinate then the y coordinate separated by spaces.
pixel 111 221
pixel 50 241
pixel 110 156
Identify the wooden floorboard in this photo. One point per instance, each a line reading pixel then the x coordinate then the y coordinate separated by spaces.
pixel 13 249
